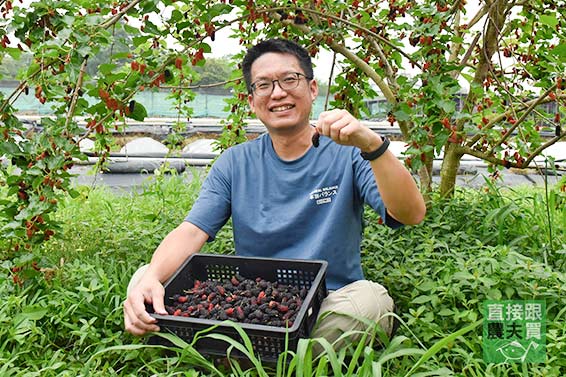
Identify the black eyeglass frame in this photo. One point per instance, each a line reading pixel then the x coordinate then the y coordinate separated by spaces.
pixel 299 74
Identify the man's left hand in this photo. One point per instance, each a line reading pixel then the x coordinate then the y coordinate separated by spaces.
pixel 345 129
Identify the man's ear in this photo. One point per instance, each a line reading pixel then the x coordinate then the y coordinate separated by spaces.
pixel 251 102
pixel 314 89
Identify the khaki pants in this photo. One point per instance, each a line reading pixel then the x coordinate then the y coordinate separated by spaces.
pixel 361 298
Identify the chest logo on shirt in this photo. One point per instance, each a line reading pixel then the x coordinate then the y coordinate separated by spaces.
pixel 323 195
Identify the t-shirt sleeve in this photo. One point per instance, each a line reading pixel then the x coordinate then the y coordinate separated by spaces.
pixel 368 191
pixel 212 209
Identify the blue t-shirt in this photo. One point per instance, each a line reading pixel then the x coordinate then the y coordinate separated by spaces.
pixel 309 208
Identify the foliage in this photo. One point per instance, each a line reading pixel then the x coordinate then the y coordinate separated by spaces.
pixel 473 247
pixel 510 55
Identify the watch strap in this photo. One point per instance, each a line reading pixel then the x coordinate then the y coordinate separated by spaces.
pixel 370 156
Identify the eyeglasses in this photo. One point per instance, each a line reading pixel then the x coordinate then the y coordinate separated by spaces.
pixel 290 81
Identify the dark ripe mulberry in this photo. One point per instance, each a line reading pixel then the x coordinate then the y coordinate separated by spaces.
pixel 316 139
pixel 228 285
pixel 248 309
pixel 214 312
pixel 272 312
pixel 249 285
pixel 257 314
pixel 167 75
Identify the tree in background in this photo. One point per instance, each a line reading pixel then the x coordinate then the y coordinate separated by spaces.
pixel 214 71
pixel 121 44
pixel 10 66
pixel 509 58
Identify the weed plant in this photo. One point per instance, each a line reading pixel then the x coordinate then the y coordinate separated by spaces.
pixel 493 244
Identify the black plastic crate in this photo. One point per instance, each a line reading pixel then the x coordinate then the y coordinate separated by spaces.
pixel 268 341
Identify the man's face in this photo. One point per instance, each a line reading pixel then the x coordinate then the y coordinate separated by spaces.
pixel 282 108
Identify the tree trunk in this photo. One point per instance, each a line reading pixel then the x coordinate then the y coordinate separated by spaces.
pixel 449 170
pixel 497 16
pixel 425 177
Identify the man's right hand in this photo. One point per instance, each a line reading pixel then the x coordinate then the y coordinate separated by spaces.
pixel 175 248
pixel 137 321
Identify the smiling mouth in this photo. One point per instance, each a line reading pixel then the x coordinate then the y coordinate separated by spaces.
pixel 281 108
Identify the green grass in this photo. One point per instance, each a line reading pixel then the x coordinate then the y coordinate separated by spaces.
pixel 500 244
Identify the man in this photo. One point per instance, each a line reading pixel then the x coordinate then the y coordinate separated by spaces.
pixel 288 199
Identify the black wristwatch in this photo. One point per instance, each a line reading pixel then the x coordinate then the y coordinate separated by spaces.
pixel 370 156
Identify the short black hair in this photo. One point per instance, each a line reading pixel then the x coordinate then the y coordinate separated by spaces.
pixel 283 46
